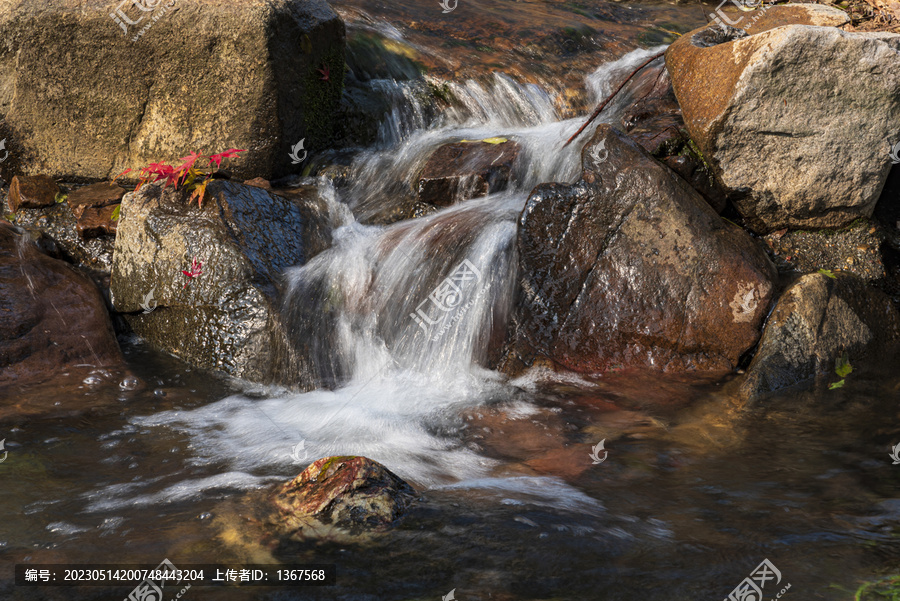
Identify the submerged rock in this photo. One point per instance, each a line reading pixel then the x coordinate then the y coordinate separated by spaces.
pixel 796 119
pixel 464 170
pixel 630 267
pixel 225 314
pixel 347 492
pixel 52 317
pixel 814 322
pixel 103 86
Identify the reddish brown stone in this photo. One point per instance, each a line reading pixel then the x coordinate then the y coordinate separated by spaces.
pixel 463 170
pixel 93 222
pixel 351 491
pixel 259 182
pixel 51 316
pixel 94 196
pixel 32 192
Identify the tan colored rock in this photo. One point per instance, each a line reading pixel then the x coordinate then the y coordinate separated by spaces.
pixel 34 192
pixel 794 119
pixel 96 94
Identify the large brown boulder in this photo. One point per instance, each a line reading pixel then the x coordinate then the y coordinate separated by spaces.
pixel 794 119
pixel 89 88
pixel 630 267
pixel 815 321
pixel 52 317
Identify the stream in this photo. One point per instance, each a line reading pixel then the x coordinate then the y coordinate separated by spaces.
pixel 689 498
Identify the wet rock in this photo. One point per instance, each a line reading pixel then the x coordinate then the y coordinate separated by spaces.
pixel 116 92
pixel 654 121
pixel 58 223
pixel 33 192
pixel 259 182
pixel 93 222
pixel 52 317
pixel 793 120
pixel 630 267
pixel 815 321
pixel 237 247
pixel 348 492
pixel 463 170
pixel 103 194
pixel 855 249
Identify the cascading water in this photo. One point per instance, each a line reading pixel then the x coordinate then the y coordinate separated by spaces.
pixel 398 321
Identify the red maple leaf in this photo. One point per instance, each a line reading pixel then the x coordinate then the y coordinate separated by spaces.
pixel 217 159
pixel 181 173
pixel 325 73
pixel 196 270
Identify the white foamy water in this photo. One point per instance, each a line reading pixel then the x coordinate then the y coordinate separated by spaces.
pixel 397 321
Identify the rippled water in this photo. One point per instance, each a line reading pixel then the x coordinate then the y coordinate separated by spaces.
pixel 691 494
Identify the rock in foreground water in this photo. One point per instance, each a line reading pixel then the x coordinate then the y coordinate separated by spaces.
pixel 630 267
pixel 52 317
pixel 816 320
pixel 224 312
pixel 796 120
pixel 348 492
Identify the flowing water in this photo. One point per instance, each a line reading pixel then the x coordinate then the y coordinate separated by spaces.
pixel 399 322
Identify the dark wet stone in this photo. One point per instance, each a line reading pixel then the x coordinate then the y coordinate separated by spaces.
pixel 93 222
pixel 32 192
pixel 816 320
pixel 352 492
pixel 463 170
pixel 227 317
pixel 630 267
pixel 52 317
pixel 94 196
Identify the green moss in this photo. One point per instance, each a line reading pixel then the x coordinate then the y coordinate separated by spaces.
pixel 322 99
pixel 884 589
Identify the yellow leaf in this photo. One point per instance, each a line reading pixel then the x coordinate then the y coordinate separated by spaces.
pixel 199 193
pixel 495 140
